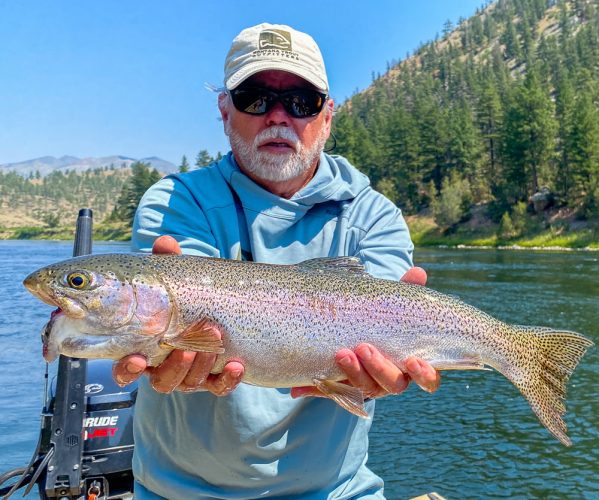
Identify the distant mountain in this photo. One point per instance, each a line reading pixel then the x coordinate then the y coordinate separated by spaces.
pixel 48 164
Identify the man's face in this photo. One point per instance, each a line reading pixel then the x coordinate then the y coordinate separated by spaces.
pixel 275 146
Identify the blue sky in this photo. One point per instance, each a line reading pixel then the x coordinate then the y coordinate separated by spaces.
pixel 97 78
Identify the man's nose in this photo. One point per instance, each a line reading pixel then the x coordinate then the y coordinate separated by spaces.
pixel 277 116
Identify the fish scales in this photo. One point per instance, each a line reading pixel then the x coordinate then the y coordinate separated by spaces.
pixel 260 312
pixel 285 323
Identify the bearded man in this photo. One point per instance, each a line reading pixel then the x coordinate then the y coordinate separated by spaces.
pixel 275 198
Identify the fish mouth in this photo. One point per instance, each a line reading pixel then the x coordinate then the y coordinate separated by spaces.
pixel 46 294
pixel 34 286
pixel 49 354
pixel 46 353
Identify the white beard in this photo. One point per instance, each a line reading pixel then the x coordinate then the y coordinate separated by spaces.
pixel 272 166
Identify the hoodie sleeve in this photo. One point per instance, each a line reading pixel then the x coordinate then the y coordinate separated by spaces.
pixel 168 207
pixel 384 243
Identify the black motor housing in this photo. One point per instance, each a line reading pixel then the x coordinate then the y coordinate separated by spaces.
pixel 107 431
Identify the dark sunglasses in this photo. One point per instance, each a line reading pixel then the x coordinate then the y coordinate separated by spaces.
pixel 299 103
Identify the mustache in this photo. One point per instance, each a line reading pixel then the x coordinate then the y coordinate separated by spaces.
pixel 278 132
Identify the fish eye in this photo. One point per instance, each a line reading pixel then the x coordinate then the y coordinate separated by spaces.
pixel 77 280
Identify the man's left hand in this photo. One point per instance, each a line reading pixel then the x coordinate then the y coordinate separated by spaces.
pixel 367 368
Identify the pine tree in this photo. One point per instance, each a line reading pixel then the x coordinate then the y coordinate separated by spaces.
pixel 490 114
pixel 464 146
pixel 511 42
pixel 184 167
pixel 447 28
pixel 477 33
pixel 402 158
pixel 203 159
pixel 565 101
pixel 142 177
pixel 584 141
pixel 529 138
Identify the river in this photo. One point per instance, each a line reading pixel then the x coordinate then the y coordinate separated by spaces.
pixel 475 438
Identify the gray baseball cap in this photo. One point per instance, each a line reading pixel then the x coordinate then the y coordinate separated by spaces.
pixel 274 47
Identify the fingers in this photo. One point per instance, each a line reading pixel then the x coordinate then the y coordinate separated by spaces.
pixel 415 276
pixel 187 371
pixel 224 383
pixel 376 373
pixel 356 376
pixel 128 369
pixel 166 245
pixel 198 372
pixel 368 369
pixel 172 371
pixel 183 371
pixel 423 374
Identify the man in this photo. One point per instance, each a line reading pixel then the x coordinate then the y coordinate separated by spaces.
pixel 275 198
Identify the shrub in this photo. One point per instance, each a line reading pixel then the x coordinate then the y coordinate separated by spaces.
pixel 453 203
pixel 387 188
pixel 519 218
pixel 506 228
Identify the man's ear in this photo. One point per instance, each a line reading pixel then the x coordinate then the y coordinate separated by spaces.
pixel 223 101
pixel 330 106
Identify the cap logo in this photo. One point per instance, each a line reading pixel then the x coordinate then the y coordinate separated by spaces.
pixel 275 39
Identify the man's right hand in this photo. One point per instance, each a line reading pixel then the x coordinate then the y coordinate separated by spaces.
pixel 184 371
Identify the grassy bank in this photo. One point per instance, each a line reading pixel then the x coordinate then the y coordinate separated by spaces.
pixel 425 233
pixel 102 232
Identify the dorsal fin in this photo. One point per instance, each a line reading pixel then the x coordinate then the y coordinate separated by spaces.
pixel 334 264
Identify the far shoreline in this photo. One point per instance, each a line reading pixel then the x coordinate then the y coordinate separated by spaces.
pixel 458 246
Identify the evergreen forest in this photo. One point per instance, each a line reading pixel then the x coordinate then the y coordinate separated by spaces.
pixel 498 118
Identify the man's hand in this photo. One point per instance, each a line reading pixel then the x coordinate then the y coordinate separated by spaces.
pixel 367 368
pixel 184 371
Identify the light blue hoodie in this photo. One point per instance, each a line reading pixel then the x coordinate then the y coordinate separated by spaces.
pixel 259 442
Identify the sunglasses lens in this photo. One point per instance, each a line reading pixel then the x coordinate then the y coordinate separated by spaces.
pixel 302 103
pixel 299 103
pixel 252 101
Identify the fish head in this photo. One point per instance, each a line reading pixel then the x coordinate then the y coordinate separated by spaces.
pixel 101 295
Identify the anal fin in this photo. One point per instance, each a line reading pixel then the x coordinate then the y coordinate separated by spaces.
pixel 470 363
pixel 346 396
pixel 203 336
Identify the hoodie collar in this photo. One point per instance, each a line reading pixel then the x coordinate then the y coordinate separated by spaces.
pixel 335 180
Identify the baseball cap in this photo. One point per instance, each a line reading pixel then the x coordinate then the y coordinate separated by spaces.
pixel 274 47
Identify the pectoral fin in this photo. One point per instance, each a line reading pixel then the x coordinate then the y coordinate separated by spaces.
pixel 203 336
pixel 346 396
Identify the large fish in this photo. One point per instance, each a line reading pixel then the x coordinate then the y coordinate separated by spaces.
pixel 286 322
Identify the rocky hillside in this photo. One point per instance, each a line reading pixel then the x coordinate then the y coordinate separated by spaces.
pixel 500 110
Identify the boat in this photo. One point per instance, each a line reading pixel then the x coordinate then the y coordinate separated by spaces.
pixel 85 445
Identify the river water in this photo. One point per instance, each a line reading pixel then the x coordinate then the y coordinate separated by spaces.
pixel 475 438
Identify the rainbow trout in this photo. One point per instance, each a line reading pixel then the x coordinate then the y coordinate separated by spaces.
pixel 286 322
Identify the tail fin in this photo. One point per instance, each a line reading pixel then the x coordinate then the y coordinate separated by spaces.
pixel 549 358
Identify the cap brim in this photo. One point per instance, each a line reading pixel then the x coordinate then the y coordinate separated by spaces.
pixel 248 70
